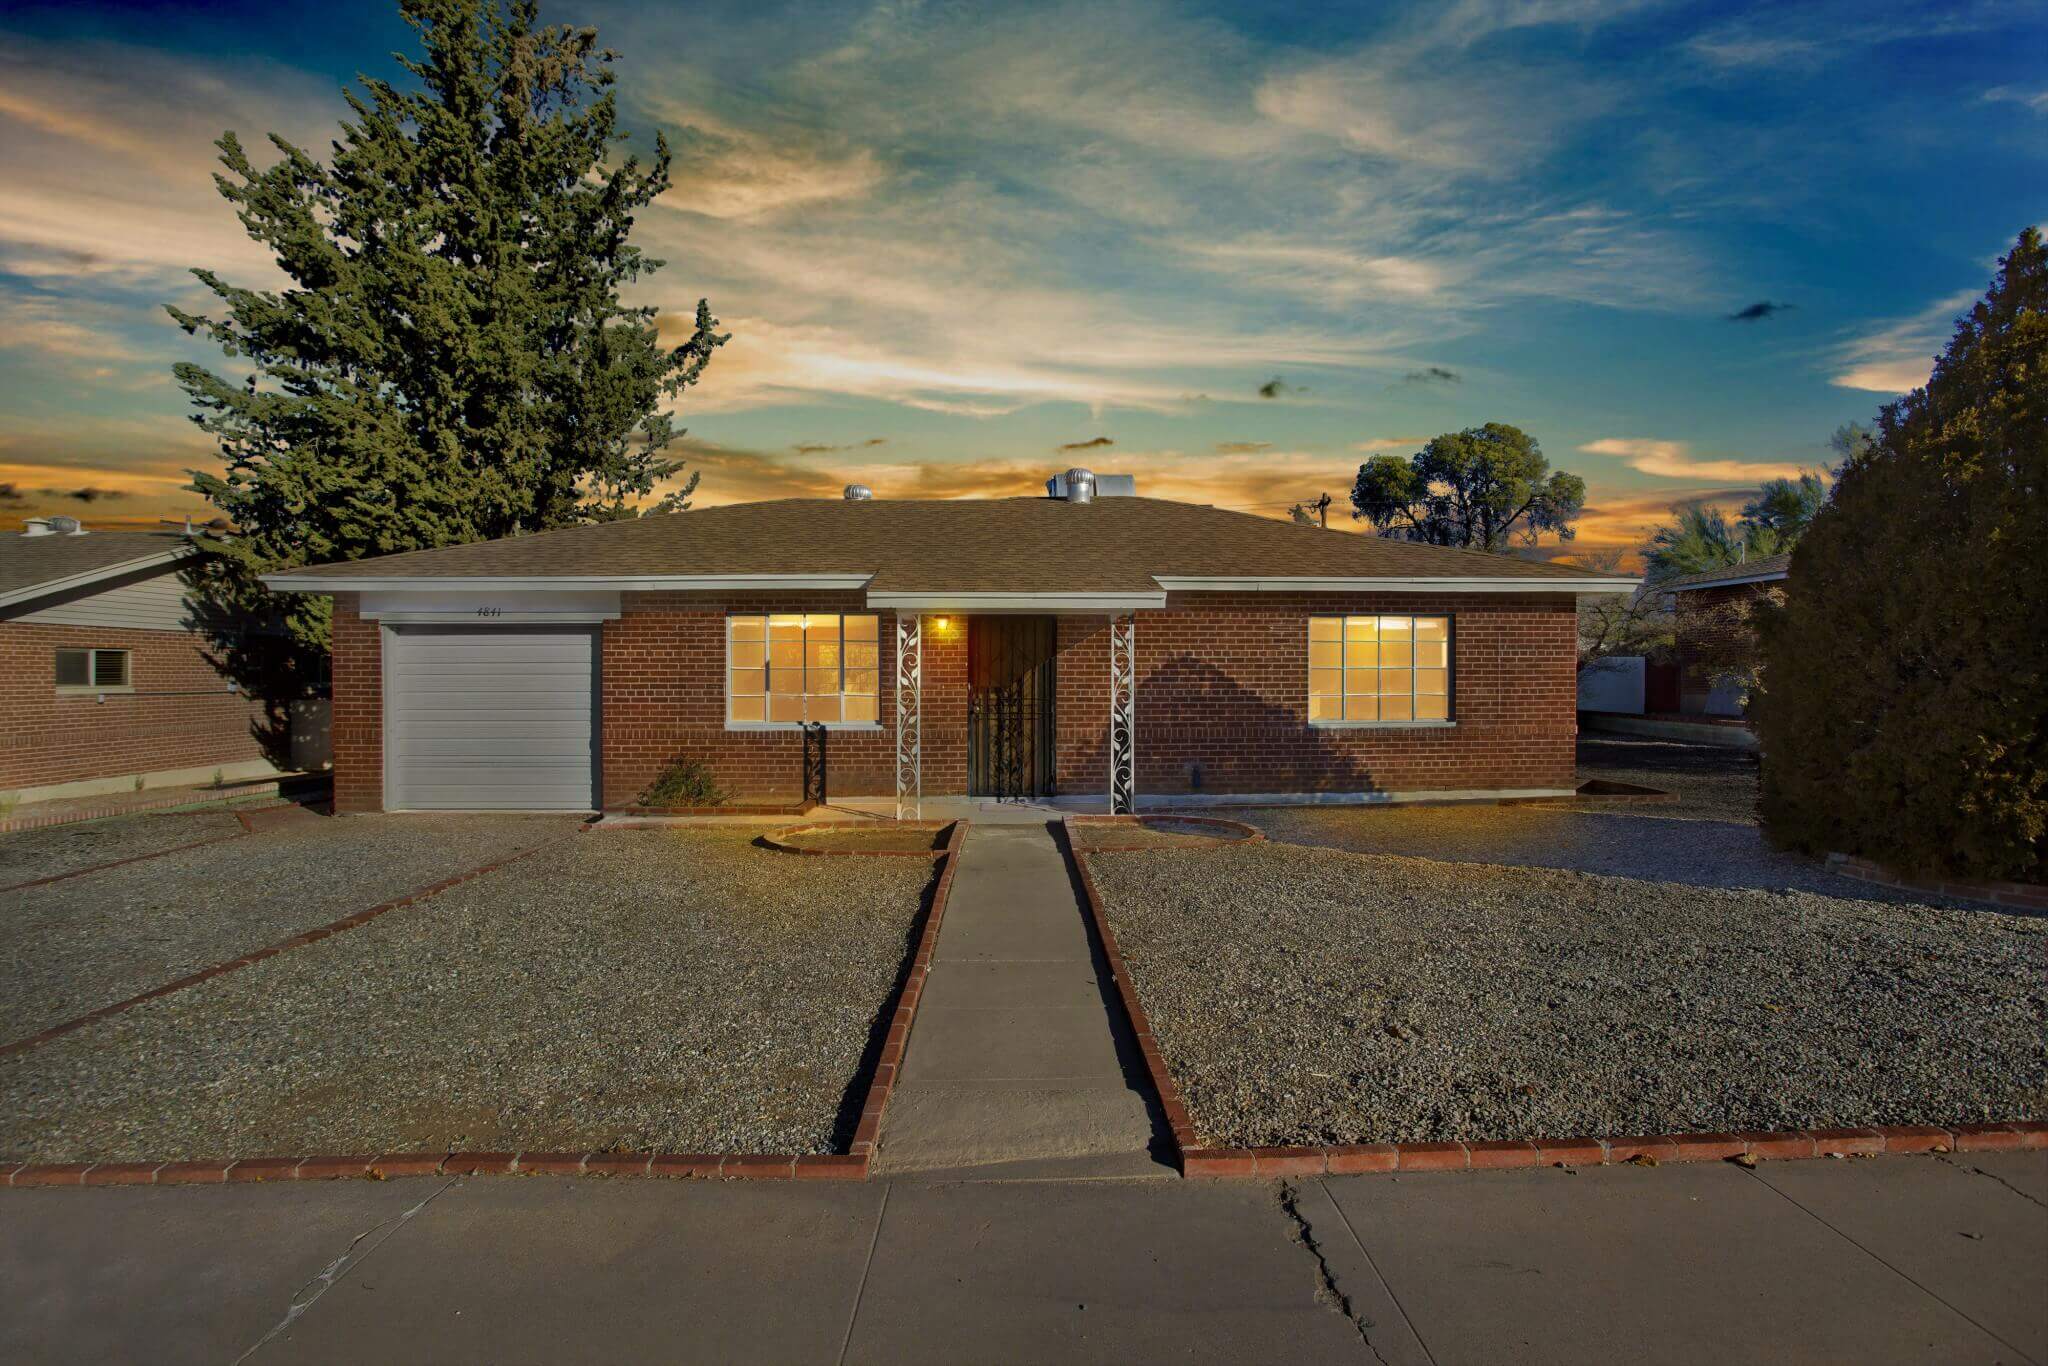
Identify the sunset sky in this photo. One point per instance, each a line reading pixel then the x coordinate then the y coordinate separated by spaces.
pixel 1228 249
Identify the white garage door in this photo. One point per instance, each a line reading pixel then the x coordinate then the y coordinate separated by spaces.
pixel 483 718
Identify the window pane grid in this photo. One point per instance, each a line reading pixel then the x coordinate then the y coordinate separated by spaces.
pixel 794 669
pixel 1379 668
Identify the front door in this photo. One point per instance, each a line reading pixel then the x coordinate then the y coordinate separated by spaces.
pixel 1010 706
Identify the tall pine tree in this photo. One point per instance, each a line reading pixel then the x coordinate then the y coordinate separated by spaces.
pixel 451 361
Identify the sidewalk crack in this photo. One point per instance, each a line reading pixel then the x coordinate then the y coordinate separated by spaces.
pixel 330 1276
pixel 1989 1176
pixel 1328 1292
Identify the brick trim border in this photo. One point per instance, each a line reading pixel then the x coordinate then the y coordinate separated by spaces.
pixel 783 841
pixel 176 796
pixel 849 1166
pixel 1236 832
pixel 334 927
pixel 1645 1150
pixel 2015 895
pixel 868 1130
pixel 727 1166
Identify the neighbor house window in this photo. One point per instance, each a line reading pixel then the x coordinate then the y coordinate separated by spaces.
pixel 795 669
pixel 92 669
pixel 1379 669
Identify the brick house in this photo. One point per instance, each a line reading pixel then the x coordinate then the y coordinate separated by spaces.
pixel 1089 647
pixel 1710 622
pixel 102 679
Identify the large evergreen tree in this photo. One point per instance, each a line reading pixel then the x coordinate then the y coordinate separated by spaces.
pixel 1904 711
pixel 451 360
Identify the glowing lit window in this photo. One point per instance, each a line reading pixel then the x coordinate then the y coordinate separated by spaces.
pixel 1386 669
pixel 791 670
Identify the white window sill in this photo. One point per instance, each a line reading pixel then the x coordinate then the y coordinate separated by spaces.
pixel 855 726
pixel 66 691
pixel 1383 725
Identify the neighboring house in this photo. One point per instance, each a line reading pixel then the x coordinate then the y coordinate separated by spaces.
pixel 102 679
pixel 1710 622
pixel 1081 645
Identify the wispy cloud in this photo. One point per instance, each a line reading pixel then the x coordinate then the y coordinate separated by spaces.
pixel 821 448
pixel 1675 460
pixel 1092 443
pixel 1242 447
pixel 1391 443
pixel 2035 100
pixel 1899 356
pixel 1433 374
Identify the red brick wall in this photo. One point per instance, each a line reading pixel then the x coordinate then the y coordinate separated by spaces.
pixel 663 680
pixel 181 714
pixel 1223 683
pixel 1223 686
pixel 358 723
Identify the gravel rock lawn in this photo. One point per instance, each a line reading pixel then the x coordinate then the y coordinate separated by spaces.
pixel 70 947
pixel 1308 996
pixel 54 850
pixel 673 989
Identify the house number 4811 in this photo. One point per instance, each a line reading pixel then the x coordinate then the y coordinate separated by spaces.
pixel 490 611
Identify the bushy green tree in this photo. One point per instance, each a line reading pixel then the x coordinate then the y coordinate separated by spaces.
pixel 1785 508
pixel 1904 709
pixel 451 360
pixel 1485 488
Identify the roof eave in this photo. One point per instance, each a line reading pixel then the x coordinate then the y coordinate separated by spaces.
pixel 1177 583
pixel 635 583
pixel 88 577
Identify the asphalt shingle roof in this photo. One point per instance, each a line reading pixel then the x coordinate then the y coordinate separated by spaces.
pixel 28 561
pixel 968 545
pixel 1769 566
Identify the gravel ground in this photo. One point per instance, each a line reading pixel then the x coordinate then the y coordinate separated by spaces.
pixel 70 947
pixel 870 838
pixel 1711 782
pixel 682 990
pixel 26 855
pixel 1090 836
pixel 1311 996
pixel 1634 844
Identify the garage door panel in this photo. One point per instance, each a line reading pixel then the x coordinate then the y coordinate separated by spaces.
pixel 492 719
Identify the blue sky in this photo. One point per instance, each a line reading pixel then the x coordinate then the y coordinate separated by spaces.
pixel 952 239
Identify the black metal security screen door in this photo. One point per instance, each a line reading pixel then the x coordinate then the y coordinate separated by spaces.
pixel 1010 706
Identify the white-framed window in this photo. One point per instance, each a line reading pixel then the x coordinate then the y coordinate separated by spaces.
pixel 1379 670
pixel 93 670
pixel 790 669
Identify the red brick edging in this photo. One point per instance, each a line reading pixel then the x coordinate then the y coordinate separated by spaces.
pixel 730 809
pixel 849 1166
pixel 730 1166
pixel 2021 895
pixel 890 1062
pixel 340 926
pixel 1340 1159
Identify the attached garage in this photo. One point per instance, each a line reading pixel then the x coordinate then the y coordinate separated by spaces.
pixel 490 718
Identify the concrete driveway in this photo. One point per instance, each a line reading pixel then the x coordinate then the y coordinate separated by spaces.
pixel 1886 1260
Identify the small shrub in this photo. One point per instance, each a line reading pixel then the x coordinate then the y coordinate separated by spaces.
pixel 686 782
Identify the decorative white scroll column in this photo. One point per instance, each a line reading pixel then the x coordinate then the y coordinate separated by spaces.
pixel 1123 714
pixel 909 709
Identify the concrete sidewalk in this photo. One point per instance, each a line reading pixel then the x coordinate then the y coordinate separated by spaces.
pixel 1894 1259
pixel 1020 1059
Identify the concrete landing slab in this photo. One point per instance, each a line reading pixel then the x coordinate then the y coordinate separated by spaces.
pixel 961 1126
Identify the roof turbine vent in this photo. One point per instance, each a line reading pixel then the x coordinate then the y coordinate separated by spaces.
pixel 1080 486
pixel 859 493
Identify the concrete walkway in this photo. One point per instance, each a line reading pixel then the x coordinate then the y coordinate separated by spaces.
pixel 1896 1259
pixel 1019 1060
